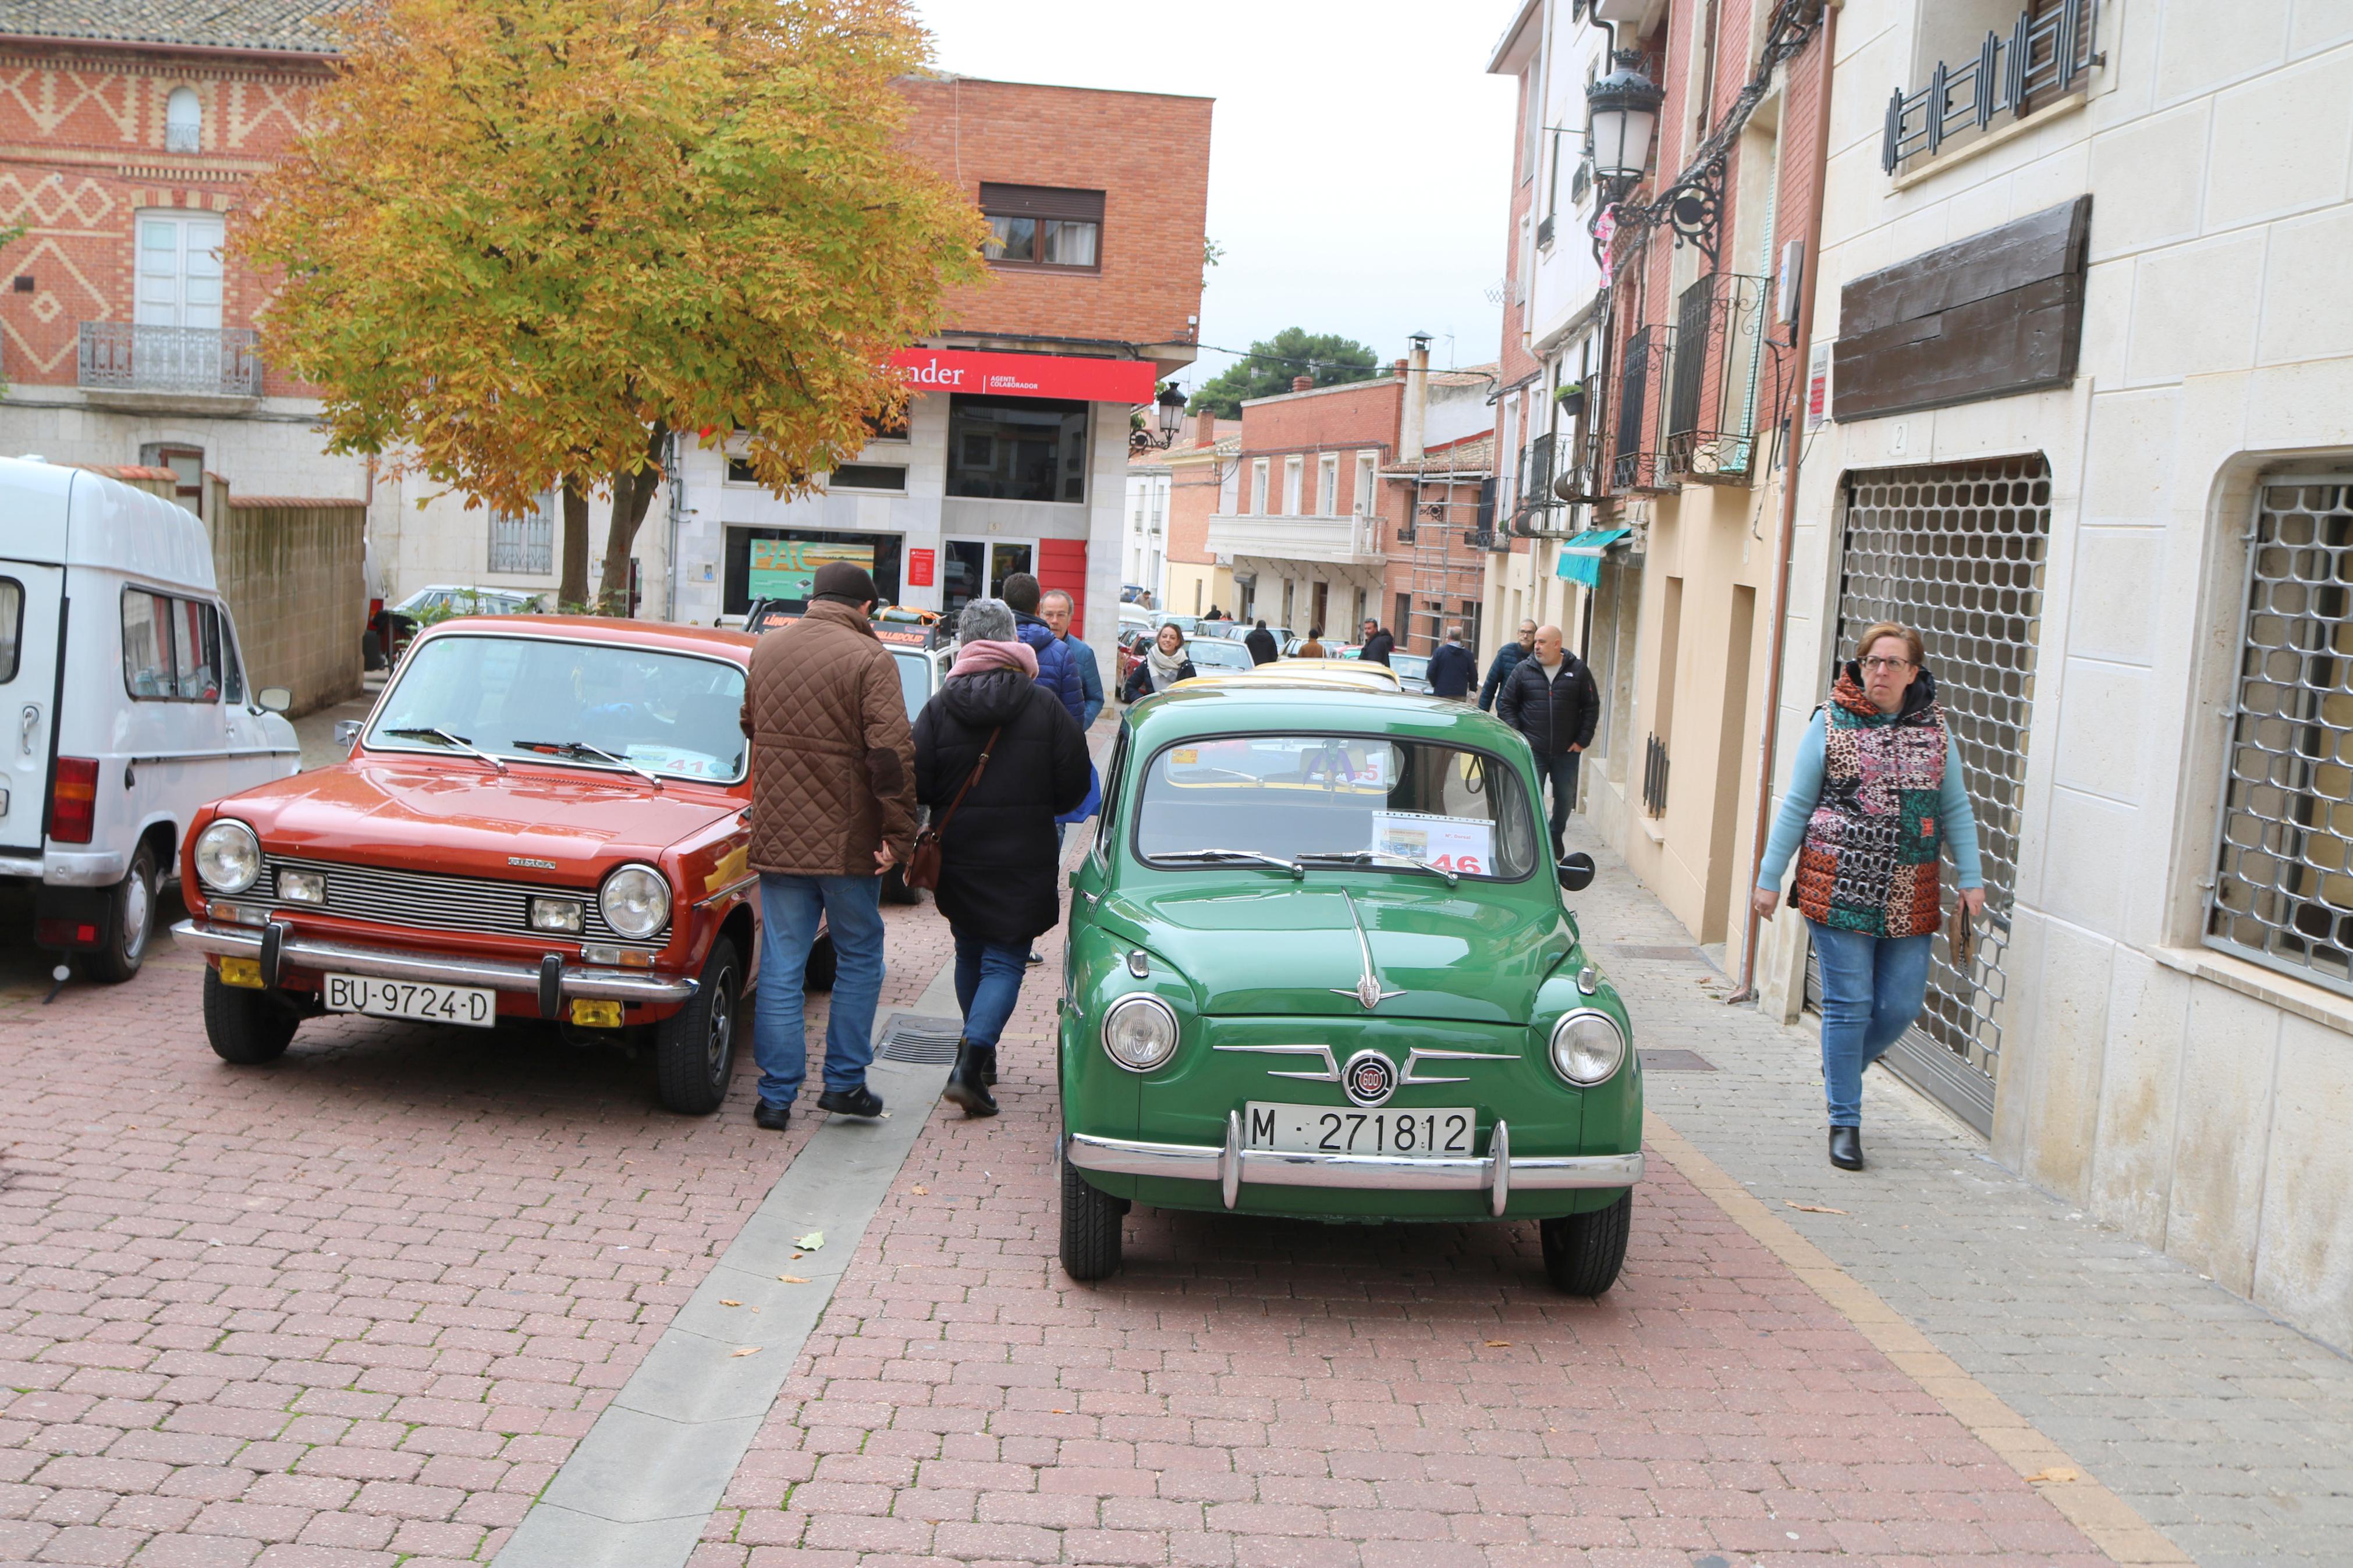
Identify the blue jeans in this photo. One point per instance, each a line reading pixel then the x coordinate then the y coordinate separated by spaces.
pixel 1873 988
pixel 789 907
pixel 988 983
pixel 1559 772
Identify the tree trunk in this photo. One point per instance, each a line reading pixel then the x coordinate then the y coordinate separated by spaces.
pixel 633 494
pixel 574 590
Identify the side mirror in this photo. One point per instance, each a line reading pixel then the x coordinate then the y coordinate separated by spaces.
pixel 347 731
pixel 274 699
pixel 1577 871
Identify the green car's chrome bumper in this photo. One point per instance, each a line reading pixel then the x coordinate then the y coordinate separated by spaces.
pixel 1232 1165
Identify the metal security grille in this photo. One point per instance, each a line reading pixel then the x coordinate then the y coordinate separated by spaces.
pixel 524 545
pixel 1955 552
pixel 2283 888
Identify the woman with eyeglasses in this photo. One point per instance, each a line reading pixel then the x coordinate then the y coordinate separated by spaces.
pixel 1874 798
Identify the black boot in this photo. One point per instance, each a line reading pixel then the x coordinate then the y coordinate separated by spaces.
pixel 965 1086
pixel 1846 1148
pixel 984 1057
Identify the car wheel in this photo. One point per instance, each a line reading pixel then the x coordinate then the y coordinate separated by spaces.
pixel 245 1027
pixel 1583 1252
pixel 895 889
pixel 1091 1227
pixel 694 1047
pixel 818 976
pixel 129 922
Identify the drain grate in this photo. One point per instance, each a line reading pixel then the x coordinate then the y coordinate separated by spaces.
pixel 1675 1061
pixel 916 1039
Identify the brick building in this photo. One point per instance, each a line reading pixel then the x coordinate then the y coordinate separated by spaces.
pixel 1014 454
pixel 1315 508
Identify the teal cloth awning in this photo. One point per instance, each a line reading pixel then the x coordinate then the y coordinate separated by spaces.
pixel 1580 555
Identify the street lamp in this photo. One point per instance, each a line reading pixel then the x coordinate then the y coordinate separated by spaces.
pixel 1169 415
pixel 1621 112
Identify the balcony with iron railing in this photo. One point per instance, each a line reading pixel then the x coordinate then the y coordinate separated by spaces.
pixel 1352 539
pixel 202 362
pixel 1712 393
pixel 1638 458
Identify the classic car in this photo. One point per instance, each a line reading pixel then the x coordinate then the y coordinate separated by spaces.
pixel 542 817
pixel 1318 967
pixel 1326 671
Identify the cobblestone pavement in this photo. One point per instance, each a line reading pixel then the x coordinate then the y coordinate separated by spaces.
pixel 354 1309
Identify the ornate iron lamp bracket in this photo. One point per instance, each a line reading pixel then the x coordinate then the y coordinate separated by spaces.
pixel 1695 207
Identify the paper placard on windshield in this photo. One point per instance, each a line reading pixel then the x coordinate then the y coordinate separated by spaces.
pixel 1459 844
pixel 671 760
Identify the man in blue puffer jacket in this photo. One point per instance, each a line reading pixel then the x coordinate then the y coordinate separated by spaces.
pixel 1056 671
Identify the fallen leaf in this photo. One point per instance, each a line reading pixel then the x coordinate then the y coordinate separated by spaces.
pixel 2056 1473
pixel 922 1191
pixel 792 1278
pixel 1811 1208
pixel 725 1302
pixel 744 1350
pixel 1499 1345
pixel 810 1242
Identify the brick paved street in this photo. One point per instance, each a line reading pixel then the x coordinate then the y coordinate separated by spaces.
pixel 356 1308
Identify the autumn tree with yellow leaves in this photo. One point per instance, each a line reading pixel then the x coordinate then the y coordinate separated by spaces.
pixel 525 240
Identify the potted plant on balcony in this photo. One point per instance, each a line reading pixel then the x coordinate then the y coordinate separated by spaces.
pixel 1571 398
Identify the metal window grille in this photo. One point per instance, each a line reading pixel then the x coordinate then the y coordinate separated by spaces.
pixel 1957 553
pixel 526 545
pixel 2048 47
pixel 2283 888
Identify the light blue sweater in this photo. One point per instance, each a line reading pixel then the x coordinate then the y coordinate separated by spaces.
pixel 1805 793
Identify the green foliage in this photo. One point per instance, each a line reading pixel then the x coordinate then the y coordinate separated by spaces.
pixel 1327 357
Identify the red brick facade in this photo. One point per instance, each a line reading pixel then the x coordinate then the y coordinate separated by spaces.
pixel 1148 153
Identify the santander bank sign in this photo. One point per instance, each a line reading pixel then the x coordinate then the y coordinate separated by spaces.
pixel 1027 375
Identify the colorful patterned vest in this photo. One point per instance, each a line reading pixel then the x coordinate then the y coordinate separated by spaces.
pixel 1870 858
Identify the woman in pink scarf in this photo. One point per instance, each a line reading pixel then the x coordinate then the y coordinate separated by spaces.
pixel 998 884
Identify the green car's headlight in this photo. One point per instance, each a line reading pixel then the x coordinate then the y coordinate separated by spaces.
pixel 229 856
pixel 1139 1033
pixel 1588 1046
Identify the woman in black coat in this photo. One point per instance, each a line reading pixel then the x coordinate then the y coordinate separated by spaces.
pixel 1163 664
pixel 999 863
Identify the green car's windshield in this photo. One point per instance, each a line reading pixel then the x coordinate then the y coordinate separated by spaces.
pixel 547 699
pixel 1301 796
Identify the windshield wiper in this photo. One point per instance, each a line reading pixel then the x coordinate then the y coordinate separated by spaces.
pixel 1211 856
pixel 456 743
pixel 1387 862
pixel 583 749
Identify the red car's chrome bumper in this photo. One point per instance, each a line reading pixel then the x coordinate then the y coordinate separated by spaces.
pixel 552 981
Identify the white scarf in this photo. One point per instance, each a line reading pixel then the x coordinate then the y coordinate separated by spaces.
pixel 1165 667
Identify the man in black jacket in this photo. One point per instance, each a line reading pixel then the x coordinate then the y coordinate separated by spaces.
pixel 1377 643
pixel 1452 668
pixel 1506 658
pixel 1550 698
pixel 1260 643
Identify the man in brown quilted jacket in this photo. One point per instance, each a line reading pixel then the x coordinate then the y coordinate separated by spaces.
pixel 833 807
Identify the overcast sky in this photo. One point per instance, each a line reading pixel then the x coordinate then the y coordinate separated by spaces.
pixel 1360 155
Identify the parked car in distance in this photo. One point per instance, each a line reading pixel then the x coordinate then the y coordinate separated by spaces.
pixel 124 716
pixel 1412 671
pixel 1319 967
pixel 1217 653
pixel 543 817
pixel 1331 650
pixel 442 601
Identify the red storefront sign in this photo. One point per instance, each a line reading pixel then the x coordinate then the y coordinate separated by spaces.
pixel 919 568
pixel 1027 375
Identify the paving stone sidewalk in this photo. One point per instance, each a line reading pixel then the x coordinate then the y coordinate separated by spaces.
pixel 2228 1430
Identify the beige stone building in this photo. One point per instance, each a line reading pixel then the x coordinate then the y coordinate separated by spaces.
pixel 2088 422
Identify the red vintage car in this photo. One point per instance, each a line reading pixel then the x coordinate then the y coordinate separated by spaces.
pixel 542 818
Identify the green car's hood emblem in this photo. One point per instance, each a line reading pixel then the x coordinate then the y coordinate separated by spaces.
pixel 1285 948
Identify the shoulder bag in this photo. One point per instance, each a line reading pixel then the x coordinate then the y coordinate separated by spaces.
pixel 924 865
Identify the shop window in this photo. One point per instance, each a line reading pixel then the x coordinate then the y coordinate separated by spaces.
pixel 778 564
pixel 1016 448
pixel 1041 226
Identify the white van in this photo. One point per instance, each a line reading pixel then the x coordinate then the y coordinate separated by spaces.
pixel 124 704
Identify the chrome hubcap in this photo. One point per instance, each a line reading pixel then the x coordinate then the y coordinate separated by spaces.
pixel 137 901
pixel 723 1025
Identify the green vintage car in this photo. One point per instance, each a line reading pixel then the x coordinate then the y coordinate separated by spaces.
pixel 1320 967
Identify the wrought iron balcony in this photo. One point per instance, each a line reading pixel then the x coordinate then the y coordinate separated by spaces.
pixel 208 361
pixel 1638 458
pixel 1711 395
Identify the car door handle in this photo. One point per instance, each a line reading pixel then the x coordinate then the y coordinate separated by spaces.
pixel 27 722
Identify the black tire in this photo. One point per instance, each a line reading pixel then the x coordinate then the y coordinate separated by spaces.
pixel 1091 1228
pixel 694 1047
pixel 245 1027
pixel 1583 1252
pixel 895 889
pixel 818 976
pixel 129 922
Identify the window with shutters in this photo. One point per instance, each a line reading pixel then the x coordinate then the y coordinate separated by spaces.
pixel 1043 226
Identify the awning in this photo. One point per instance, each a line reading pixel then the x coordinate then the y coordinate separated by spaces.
pixel 1580 555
